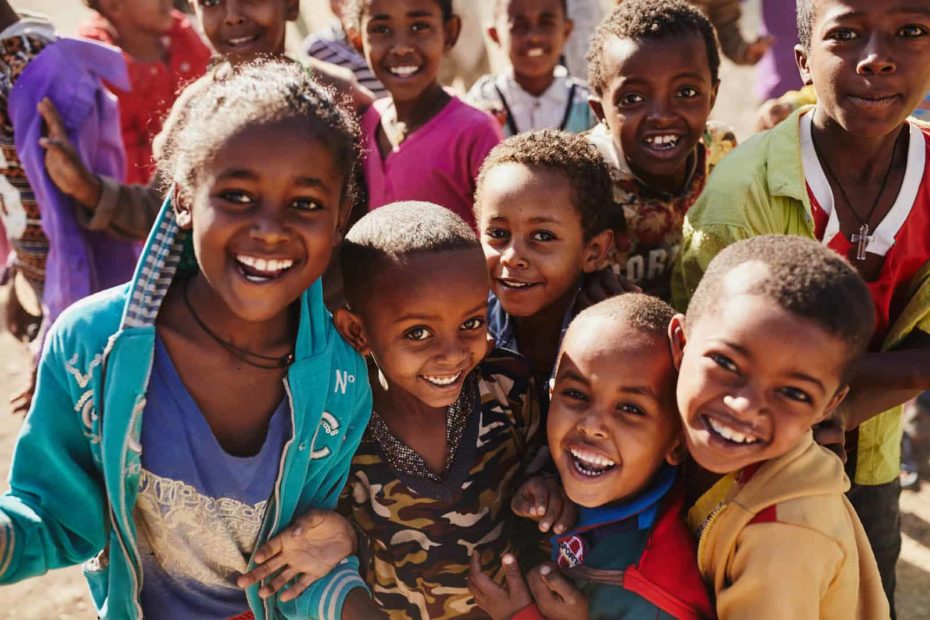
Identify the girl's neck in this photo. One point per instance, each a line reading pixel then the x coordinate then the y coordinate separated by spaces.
pixel 271 336
pixel 863 159
pixel 418 112
pixel 8 16
pixel 535 85
pixel 142 47
pixel 675 183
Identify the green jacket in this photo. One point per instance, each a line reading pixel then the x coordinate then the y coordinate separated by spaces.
pixel 760 189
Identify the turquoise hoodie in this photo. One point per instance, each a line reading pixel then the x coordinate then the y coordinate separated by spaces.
pixel 75 472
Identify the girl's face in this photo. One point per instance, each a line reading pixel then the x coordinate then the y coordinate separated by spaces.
pixel 265 215
pixel 241 30
pixel 404 42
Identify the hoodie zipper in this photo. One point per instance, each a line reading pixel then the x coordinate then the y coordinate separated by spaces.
pixel 702 541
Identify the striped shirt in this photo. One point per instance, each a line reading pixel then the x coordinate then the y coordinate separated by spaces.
pixel 331 45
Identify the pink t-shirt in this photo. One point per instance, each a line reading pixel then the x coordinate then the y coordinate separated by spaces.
pixel 438 163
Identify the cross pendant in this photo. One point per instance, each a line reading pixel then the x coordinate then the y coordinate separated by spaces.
pixel 863 239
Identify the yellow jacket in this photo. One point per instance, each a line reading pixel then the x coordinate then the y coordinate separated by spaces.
pixel 786 543
pixel 759 189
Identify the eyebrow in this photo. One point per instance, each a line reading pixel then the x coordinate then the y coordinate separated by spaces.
pixel 800 376
pixel 249 175
pixel 427 317
pixel 907 10
pixel 640 390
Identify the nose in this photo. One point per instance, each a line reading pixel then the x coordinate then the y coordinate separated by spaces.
pixel 513 257
pixel 745 401
pixel 660 112
pixel 591 424
pixel 269 228
pixel 452 351
pixel 876 60
pixel 234 15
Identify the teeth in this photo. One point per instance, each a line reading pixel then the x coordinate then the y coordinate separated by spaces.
pixel 589 463
pixel 241 40
pixel 730 434
pixel 443 381
pixel 516 284
pixel 404 71
pixel 264 265
pixel 667 141
pixel 535 52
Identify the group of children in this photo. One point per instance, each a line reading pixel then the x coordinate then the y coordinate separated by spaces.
pixel 502 416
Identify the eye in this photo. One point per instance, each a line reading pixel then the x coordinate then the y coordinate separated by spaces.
pixel 417 333
pixel 307 204
pixel 235 196
pixel 631 409
pixel 724 362
pixel 688 92
pixel 573 394
pixel 543 235
pixel 496 233
pixel 473 323
pixel 210 3
pixel 420 27
pixel 379 29
pixel 912 31
pixel 796 394
pixel 631 99
pixel 842 34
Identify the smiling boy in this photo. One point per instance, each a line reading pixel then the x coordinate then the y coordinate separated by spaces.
pixel 536 92
pixel 772 335
pixel 852 174
pixel 654 72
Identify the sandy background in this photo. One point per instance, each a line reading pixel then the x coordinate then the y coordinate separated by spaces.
pixel 62 594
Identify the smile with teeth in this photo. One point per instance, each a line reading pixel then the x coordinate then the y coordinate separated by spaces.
pixel 662 143
pixel 242 40
pixel 261 269
pixel 442 380
pixel 730 434
pixel 516 284
pixel 590 464
pixel 535 52
pixel 405 71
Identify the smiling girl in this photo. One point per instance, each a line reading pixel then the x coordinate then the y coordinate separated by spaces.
pixel 184 418
pixel 422 142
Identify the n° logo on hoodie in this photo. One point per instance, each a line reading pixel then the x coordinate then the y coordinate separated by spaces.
pixel 343 380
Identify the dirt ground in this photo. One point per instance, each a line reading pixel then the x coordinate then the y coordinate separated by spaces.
pixel 61 595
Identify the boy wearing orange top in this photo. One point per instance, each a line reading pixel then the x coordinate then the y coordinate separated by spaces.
pixel 163 53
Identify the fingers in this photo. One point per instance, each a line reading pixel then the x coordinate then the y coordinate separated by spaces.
pixel 277 583
pixel 559 584
pixel 272 547
pixel 479 584
pixel 262 571
pixel 530 501
pixel 567 517
pixel 297 588
pixel 538 588
pixel 515 582
pixel 54 125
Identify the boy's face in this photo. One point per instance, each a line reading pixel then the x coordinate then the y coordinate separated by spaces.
pixel 425 325
pixel 532 238
pixel 264 217
pixel 753 377
pixel 612 421
pixel 241 30
pixel 533 33
pixel 657 101
pixel 404 42
pixel 869 62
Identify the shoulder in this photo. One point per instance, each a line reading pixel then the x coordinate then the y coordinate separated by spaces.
pixel 84 329
pixel 505 377
pixel 483 88
pixel 468 118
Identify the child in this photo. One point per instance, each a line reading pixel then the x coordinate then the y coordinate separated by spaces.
pixel 338 45
pixel 545 219
pixel 56 260
pixel 615 437
pixel 653 69
pixel 772 336
pixel 452 424
pixel 182 412
pixel 850 173
pixel 163 53
pixel 537 92
pixel 423 142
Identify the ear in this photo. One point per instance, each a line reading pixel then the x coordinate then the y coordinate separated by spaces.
pixel 350 327
pixel 835 402
pixel 596 250
pixel 678 452
pixel 677 339
pixel 801 58
pixel 292 10
pixel 182 208
pixel 594 102
pixel 494 35
pixel 452 28
pixel 569 28
pixel 715 90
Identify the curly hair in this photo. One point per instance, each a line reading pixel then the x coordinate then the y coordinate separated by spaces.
pixel 571 155
pixel 355 9
pixel 389 235
pixel 229 99
pixel 806 13
pixel 644 313
pixel 643 20
pixel 802 277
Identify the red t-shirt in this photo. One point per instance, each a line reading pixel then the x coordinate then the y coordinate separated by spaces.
pixel 903 236
pixel 155 85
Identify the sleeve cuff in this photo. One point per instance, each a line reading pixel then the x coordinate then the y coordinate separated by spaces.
pixel 101 215
pixel 325 601
pixel 530 612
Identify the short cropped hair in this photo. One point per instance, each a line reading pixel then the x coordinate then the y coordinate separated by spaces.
pixel 390 235
pixel 644 313
pixel 805 279
pixel 501 5
pixel 649 20
pixel 355 8
pixel 806 13
pixel 571 155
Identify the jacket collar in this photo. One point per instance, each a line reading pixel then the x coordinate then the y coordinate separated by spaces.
pixel 785 170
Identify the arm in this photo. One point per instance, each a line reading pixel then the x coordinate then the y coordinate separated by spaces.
pixel 768 551
pixel 725 15
pixel 53 471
